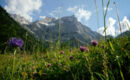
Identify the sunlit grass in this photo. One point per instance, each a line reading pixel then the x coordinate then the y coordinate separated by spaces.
pixel 99 63
pixel 103 60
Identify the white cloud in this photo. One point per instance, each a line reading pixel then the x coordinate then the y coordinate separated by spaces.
pixel 125 24
pixel 83 14
pixel 80 13
pixel 42 17
pixel 109 9
pixel 110 28
pixel 23 8
pixel 55 13
pixel 72 9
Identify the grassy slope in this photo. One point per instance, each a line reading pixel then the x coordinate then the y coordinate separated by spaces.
pixel 10 28
pixel 107 60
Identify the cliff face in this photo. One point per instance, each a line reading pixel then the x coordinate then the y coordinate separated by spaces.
pixel 68 28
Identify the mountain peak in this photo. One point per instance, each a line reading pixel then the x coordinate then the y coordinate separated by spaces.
pixel 69 18
pixel 19 19
pixel 48 19
pixel 70 29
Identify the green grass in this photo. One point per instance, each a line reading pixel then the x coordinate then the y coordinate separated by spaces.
pixel 109 60
pixel 103 62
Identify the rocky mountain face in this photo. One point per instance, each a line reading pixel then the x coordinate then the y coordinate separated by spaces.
pixel 67 28
pixel 19 19
pixel 22 21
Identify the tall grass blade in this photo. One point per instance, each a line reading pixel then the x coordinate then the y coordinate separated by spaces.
pixel 97 13
pixel 118 17
pixel 101 76
pixel 105 14
pixel 121 73
pixel 111 46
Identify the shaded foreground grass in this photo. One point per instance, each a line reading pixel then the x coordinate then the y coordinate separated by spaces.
pixel 108 60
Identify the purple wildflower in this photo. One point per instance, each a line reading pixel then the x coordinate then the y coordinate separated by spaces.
pixel 71 57
pixel 16 42
pixel 94 42
pixel 62 52
pixel 82 49
pixel 48 65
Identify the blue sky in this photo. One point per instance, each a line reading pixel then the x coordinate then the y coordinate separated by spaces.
pixel 84 10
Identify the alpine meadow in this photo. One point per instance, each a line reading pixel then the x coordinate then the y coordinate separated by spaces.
pixel 64 40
